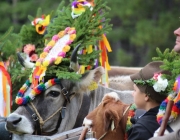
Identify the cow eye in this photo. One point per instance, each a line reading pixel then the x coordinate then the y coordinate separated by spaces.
pixel 54 93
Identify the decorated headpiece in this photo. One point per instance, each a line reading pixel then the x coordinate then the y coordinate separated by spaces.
pixel 151 81
pixel 75 46
pixel 32 38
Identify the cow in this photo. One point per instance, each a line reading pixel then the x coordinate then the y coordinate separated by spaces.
pixel 46 114
pixel 47 108
pixel 108 119
pixel 48 104
pixel 119 77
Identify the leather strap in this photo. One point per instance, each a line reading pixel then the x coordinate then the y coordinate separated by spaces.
pixel 35 119
pixel 169 129
pixel 83 111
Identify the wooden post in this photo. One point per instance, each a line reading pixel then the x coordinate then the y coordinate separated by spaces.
pixel 83 134
pixel 166 118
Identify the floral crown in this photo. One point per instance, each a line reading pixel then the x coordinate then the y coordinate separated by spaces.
pixel 158 82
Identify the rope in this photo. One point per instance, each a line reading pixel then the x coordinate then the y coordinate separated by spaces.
pixel 40 119
pixel 126 110
pixel 53 114
pixel 102 136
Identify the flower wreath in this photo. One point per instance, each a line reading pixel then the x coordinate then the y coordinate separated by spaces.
pixel 158 82
pixel 56 55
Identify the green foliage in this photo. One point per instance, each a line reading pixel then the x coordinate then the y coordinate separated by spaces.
pixel 29 35
pixel 88 59
pixel 88 32
pixel 140 26
pixel 171 63
pixel 8 44
pixel 123 58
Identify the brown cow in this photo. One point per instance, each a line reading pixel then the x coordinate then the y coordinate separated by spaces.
pixel 109 119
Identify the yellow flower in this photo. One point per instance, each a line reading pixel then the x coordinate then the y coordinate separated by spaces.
pixel 72 37
pixel 43 55
pixel 61 34
pixel 46 63
pixel 51 43
pixel 72 28
pixel 66 48
pixel 58 60
pixel 38 63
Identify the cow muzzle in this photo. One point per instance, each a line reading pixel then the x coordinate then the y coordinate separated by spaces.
pixel 18 124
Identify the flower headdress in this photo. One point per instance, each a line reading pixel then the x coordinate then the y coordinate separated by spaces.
pixel 71 50
pixel 153 80
pixel 158 82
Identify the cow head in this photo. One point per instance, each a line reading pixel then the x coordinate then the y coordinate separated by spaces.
pixel 108 118
pixel 49 105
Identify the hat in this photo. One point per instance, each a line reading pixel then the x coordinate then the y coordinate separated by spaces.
pixel 150 81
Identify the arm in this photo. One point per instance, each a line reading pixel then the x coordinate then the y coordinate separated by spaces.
pixel 172 136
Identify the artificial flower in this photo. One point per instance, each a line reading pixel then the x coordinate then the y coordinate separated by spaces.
pixel 28 48
pixel 161 84
pixel 34 57
pixel 155 77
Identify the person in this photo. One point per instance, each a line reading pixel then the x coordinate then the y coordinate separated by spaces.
pixel 149 91
pixel 177 45
pixel 172 136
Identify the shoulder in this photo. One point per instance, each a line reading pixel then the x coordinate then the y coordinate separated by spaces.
pixel 143 129
pixel 138 132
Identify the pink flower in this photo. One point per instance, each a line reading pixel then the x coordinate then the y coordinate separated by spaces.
pixel 62 54
pixel 156 75
pixel 55 38
pixel 28 48
pixel 67 29
pixel 34 57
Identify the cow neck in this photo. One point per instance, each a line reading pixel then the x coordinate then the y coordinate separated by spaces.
pixel 83 111
pixel 39 122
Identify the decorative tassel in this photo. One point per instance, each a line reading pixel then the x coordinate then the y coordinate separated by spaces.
pixel 6 90
pixel 104 46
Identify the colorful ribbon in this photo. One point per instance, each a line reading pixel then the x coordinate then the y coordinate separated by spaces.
pixel 5 92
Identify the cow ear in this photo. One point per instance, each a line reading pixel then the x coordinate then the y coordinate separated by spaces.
pixel 90 78
pixel 111 120
pixel 107 120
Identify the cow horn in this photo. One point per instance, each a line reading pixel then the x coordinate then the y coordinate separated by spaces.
pixel 73 61
pixel 24 63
